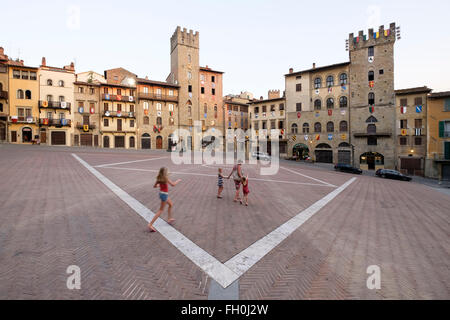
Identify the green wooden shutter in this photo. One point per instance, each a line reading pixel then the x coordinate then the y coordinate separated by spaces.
pixel 447 150
pixel 441 129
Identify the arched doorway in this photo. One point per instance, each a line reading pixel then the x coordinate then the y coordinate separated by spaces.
pixel 324 153
pixel 105 142
pixel 300 151
pixel 145 141
pixel 372 160
pixel 132 142
pixel 159 142
pixel 344 153
pixel 27 134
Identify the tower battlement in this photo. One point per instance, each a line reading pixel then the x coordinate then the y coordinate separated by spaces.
pixel 372 38
pixel 185 37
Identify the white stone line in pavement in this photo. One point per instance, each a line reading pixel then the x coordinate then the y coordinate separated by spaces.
pixel 210 265
pixel 243 261
pixel 215 176
pixel 304 175
pixel 127 162
pixel 224 274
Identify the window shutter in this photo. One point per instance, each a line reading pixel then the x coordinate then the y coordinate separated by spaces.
pixel 447 105
pixel 447 150
pixel 441 129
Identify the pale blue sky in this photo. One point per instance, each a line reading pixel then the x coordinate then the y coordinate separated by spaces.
pixel 253 42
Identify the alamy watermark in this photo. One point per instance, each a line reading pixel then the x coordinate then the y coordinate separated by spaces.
pixel 74 280
pixel 374 280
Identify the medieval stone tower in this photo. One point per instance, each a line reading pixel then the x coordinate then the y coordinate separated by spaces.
pixel 372 98
pixel 184 56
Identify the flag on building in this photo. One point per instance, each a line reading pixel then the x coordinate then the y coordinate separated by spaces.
pixel 330 112
pixel 371 84
pixel 371 109
pixel 299 115
pixel 318 137
pixel 402 110
pixel 330 137
pixel 404 132
pixel 419 109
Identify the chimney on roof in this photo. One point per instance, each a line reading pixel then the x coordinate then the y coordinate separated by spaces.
pixel 2 51
pixel 314 65
pixel 291 70
pixel 146 77
pixel 43 63
pixel 261 98
pixel 21 62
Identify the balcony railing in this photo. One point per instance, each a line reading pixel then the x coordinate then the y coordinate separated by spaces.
pixel 112 97
pixel 155 96
pixel 3 94
pixel 22 119
pixel 55 105
pixel 446 134
pixel 374 134
pixel 55 122
pixel 91 125
pixel 119 114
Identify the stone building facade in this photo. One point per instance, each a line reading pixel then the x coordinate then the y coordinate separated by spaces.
pixel 157 114
pixel 318 114
pixel 4 96
pixel 200 88
pixel 411 130
pixel 372 98
pixel 56 104
pixel 438 134
pixel 23 120
pixel 268 114
pixel 211 99
pixel 118 112
pixel 87 109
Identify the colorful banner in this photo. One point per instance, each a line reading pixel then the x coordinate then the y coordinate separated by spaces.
pixel 318 137
pixel 330 137
pixel 45 121
pixel 419 109
pixel 371 109
pixel 299 115
pixel 402 110
pixel 92 110
pixel 330 112
pixel 80 110
pixel 119 97
pixel 343 136
pixel 404 132
pixel 371 84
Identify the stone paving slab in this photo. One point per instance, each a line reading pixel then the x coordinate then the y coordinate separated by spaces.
pixel 54 213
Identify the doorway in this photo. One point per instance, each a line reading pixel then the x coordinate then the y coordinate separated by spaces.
pixel 159 142
pixel 27 135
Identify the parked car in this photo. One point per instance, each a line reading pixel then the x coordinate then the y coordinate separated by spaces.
pixel 261 156
pixel 347 168
pixel 392 174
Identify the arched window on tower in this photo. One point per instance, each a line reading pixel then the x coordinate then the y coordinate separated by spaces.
pixel 20 94
pixel 371 76
pixel 343 126
pixel 330 103
pixel 371 99
pixel 343 102
pixel 294 128
pixel 317 104
pixel 343 79
pixel 330 127
pixel 317 127
pixel 306 128
pixel 317 83
pixel 330 81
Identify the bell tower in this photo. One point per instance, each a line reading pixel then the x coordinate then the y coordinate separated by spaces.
pixel 184 56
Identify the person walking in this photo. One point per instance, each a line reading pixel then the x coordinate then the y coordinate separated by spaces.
pixel 237 177
pixel 163 181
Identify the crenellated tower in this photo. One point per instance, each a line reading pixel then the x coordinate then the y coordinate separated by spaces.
pixel 372 97
pixel 184 54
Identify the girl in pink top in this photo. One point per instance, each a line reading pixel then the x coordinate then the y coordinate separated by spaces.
pixel 163 181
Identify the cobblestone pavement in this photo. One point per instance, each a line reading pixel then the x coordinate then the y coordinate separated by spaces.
pixel 55 213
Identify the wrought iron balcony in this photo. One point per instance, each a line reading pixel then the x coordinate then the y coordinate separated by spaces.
pixel 112 97
pixel 55 122
pixel 55 105
pixel 23 119
pixel 91 125
pixel 119 114
pixel 154 96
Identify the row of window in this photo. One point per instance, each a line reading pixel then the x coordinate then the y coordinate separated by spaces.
pixel 50 83
pixel 404 141
pixel 202 91
pixel 343 127
pixel 60 98
pixel 158 91
pixel 203 78
pixel 417 102
pixel 81 90
pixel 343 80
pixel 417 123
pixel 146 121
pixel 272 108
pixel 23 94
pixel 24 75
pixel 119 123
pixel 118 91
